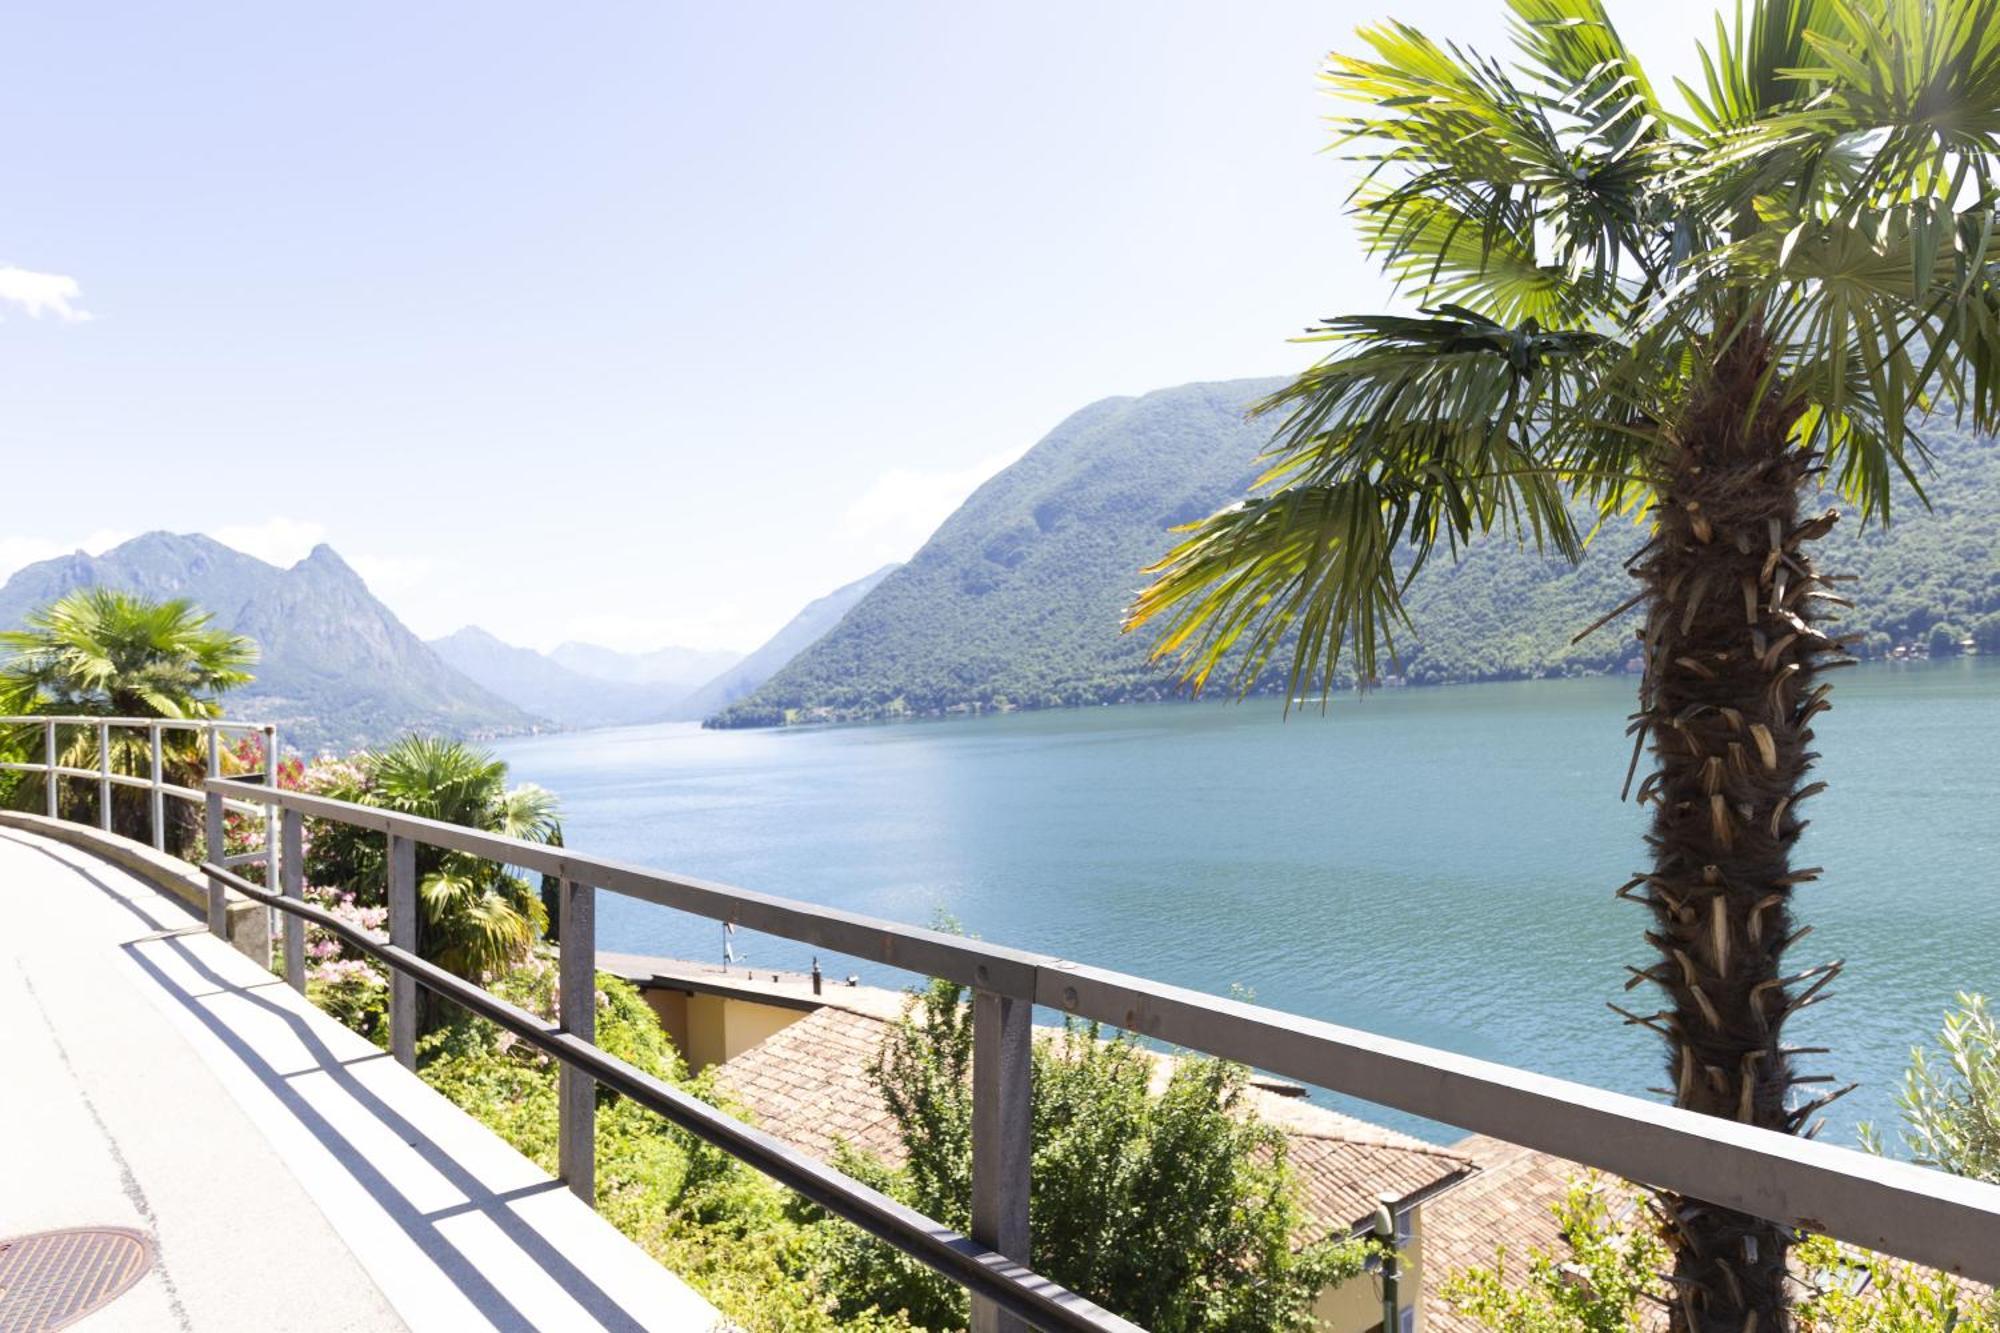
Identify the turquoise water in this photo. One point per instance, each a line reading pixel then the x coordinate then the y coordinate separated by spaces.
pixel 1435 864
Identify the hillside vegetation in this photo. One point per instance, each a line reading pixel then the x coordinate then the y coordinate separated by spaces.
pixel 799 633
pixel 1016 601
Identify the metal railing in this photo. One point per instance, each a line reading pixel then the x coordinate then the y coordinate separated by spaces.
pixel 1927 1217
pixel 155 781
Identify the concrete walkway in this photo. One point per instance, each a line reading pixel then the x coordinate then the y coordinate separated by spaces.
pixel 291 1175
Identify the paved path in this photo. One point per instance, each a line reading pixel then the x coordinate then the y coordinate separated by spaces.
pixel 291 1175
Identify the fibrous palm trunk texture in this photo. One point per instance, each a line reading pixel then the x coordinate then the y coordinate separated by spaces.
pixel 1733 653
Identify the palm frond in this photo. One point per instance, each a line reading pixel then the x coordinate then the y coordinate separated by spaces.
pixel 1521 168
pixel 1417 432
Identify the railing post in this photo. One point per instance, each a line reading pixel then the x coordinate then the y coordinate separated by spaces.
pixel 218 901
pixel 403 934
pixel 292 883
pixel 271 827
pixel 577 952
pixel 49 757
pixel 1002 1089
pixel 159 790
pixel 104 776
pixel 271 811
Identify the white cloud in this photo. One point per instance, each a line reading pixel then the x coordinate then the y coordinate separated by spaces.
pixel 42 293
pixel 16 552
pixel 904 506
pixel 277 541
pixel 390 575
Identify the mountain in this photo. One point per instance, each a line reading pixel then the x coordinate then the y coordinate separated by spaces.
pixel 800 633
pixel 337 670
pixel 1016 600
pixel 546 688
pixel 677 669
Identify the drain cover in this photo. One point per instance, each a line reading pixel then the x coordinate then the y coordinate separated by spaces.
pixel 53 1278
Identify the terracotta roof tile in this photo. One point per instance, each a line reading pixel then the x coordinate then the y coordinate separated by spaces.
pixel 1509 1201
pixel 809 1085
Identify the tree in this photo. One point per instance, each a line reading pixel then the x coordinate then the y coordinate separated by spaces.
pixel 1684 315
pixel 1610 1282
pixel 1175 1208
pixel 1612 1269
pixel 99 652
pixel 1950 1102
pixel 1943 640
pixel 476 918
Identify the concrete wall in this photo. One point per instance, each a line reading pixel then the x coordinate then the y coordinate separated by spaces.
pixel 249 923
pixel 1356 1306
pixel 708 1029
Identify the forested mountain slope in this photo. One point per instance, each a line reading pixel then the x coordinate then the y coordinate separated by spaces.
pixel 801 632
pixel 1016 600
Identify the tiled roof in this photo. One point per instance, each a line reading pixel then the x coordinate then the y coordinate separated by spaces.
pixel 1509 1201
pixel 809 1085
pixel 1346 1164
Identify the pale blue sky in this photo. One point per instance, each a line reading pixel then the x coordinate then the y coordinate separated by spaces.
pixel 643 323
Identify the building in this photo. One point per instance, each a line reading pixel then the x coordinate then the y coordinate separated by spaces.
pixel 800 1062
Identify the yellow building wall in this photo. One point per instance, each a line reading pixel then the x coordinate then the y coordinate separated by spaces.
pixel 708 1029
pixel 1356 1306
pixel 671 1007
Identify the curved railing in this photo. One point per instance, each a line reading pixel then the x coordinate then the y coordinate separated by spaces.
pixel 212 736
pixel 1928 1217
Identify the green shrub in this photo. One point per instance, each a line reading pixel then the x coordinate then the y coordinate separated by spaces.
pixel 1950 1100
pixel 1175 1208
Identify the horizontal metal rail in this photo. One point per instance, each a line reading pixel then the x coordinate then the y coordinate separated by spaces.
pixel 165 723
pixel 190 794
pixel 992 1276
pixel 1928 1217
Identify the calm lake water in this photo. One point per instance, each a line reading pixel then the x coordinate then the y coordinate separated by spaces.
pixel 1434 864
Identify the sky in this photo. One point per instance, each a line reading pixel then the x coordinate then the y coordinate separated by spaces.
pixel 641 324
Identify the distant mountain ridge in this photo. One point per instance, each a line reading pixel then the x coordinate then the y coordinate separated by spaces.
pixel 337 668
pixel 540 685
pixel 801 632
pixel 623 695
pixel 1017 599
pixel 680 669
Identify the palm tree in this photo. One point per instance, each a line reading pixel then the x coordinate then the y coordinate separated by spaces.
pixel 103 653
pixel 1694 314
pixel 475 918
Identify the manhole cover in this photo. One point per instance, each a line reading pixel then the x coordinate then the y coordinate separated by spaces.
pixel 53 1278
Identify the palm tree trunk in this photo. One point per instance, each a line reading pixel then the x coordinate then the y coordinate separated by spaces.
pixel 1728 701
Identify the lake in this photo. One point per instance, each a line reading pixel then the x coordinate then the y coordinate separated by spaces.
pixel 1434 864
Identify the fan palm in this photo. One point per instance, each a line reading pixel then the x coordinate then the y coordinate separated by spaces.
pixel 475 918
pixel 1693 313
pixel 105 653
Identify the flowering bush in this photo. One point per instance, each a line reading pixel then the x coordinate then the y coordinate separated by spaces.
pixel 352 988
